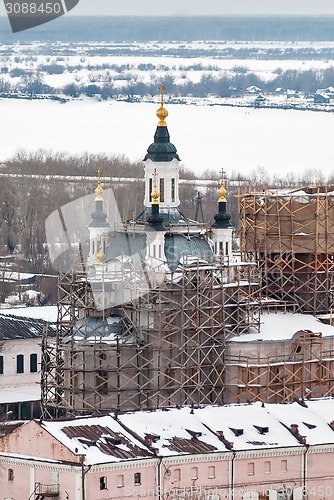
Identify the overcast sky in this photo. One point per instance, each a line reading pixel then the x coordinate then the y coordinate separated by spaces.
pixel 206 7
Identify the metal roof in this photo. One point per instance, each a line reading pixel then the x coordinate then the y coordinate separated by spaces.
pixel 109 442
pixel 13 327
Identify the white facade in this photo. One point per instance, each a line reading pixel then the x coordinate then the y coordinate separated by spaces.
pixel 168 182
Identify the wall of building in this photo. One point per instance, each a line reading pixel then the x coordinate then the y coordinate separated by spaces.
pixel 212 475
pixel 10 350
pixel 19 478
pixel 276 371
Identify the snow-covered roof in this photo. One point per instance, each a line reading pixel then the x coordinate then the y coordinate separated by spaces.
pixel 46 313
pixel 189 431
pixel 20 394
pixel 100 439
pixel 235 427
pixel 282 326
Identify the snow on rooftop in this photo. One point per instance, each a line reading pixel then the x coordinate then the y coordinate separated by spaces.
pixel 20 394
pixel 258 425
pixel 190 431
pixel 47 313
pixel 282 326
pixel 96 449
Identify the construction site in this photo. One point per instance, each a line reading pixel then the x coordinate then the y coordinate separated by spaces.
pixel 166 314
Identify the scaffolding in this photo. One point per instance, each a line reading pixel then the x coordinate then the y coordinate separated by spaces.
pixel 297 369
pixel 164 347
pixel 291 235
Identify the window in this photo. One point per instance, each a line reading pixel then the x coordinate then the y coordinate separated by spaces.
pixel 33 363
pixel 173 189
pixel 20 363
pixel 137 478
pixel 284 465
pixel 10 475
pixel 226 248
pixel 194 473
pixel 120 481
pixel 267 467
pixel 103 483
pixel 177 474
pixel 150 189
pixel 162 190
pixel 101 379
pixel 93 251
pixel 250 469
pixel 1 365
pixel 211 472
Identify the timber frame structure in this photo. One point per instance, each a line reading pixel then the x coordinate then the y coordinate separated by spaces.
pixel 291 235
pixel 294 370
pixel 169 352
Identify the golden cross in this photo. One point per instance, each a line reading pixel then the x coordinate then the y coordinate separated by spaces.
pixel 162 88
pixel 155 175
pixel 99 171
pixel 222 175
pixel 155 193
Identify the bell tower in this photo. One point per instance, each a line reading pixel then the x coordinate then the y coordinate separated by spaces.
pixel 163 159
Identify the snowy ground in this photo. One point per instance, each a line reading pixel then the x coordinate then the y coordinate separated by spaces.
pixel 207 137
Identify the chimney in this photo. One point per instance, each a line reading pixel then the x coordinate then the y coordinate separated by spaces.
pixel 221 437
pixel 148 440
pixel 294 430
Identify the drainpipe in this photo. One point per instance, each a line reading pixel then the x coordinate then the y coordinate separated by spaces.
pixel 83 495
pixel 231 476
pixel 304 484
pixel 83 476
pixel 159 478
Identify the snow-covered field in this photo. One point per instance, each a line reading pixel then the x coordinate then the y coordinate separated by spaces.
pixel 207 137
pixel 59 64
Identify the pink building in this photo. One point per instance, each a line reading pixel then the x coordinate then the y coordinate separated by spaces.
pixel 231 452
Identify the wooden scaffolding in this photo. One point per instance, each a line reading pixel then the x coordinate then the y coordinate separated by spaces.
pixel 168 347
pixel 291 235
pixel 294 370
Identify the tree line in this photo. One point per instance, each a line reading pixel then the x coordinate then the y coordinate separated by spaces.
pixel 25 203
pixel 213 83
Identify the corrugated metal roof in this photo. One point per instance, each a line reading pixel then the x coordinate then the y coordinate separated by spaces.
pixel 12 327
pixel 107 441
pixel 192 446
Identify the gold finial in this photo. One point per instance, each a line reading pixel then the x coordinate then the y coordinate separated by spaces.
pixel 98 189
pixel 100 254
pixel 222 191
pixel 162 112
pixel 155 193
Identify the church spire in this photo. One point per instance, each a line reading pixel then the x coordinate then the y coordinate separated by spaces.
pixel 222 218
pixel 162 112
pixel 155 218
pixel 99 217
pixel 155 193
pixel 162 150
pixel 99 189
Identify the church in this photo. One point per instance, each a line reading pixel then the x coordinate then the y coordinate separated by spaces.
pixel 165 314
